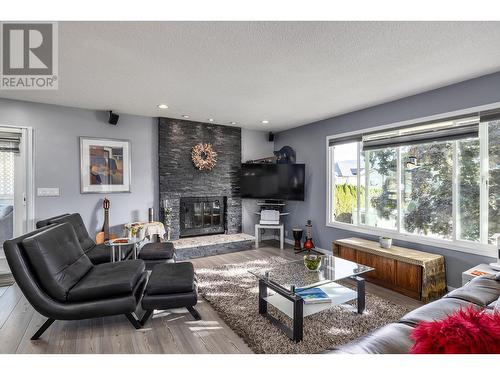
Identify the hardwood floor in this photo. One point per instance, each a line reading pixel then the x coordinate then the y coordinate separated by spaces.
pixel 6 278
pixel 167 332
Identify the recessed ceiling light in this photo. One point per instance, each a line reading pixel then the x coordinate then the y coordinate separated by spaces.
pixel 162 106
pixel 211 120
pixel 265 121
pixel 233 122
pixel 185 116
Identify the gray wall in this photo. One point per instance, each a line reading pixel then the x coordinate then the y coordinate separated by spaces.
pixel 309 143
pixel 254 145
pixel 56 132
pixel 57 160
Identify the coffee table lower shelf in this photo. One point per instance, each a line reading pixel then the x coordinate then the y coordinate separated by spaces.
pixel 295 308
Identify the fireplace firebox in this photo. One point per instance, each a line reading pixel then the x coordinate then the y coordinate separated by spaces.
pixel 202 216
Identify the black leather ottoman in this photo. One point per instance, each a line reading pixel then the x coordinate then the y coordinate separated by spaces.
pixel 171 285
pixel 157 253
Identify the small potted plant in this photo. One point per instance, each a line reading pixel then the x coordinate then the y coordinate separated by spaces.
pixel 312 262
pixel 385 242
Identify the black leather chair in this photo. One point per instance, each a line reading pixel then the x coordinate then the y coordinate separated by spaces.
pixel 98 254
pixel 61 283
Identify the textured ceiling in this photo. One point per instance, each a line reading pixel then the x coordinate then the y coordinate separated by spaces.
pixel 290 73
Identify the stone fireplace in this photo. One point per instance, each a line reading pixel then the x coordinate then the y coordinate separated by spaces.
pixel 187 191
pixel 202 215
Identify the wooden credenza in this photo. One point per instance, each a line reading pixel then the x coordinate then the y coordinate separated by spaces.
pixel 416 274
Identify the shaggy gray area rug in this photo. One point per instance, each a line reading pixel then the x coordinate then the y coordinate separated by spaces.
pixel 233 293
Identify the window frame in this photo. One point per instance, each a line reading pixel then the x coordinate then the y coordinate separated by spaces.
pixel 465 246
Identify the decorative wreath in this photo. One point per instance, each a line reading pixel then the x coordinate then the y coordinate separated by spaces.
pixel 203 156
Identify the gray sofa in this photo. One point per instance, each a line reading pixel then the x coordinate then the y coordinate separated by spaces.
pixel 394 338
pixel 6 222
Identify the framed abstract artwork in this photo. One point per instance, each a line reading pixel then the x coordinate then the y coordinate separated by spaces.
pixel 104 165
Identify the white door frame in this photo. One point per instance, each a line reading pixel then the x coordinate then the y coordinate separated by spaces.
pixel 27 199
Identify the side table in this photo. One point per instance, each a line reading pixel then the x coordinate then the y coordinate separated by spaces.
pixel 479 270
pixel 118 243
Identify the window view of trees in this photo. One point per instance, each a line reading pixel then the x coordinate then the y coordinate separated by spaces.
pixel 381 204
pixel 426 173
pixel 494 179
pixel 346 202
pixel 469 185
pixel 427 187
pixel 346 189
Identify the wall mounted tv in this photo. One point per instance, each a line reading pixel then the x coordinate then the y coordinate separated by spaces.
pixel 273 181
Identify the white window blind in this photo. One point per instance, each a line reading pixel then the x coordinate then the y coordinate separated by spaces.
pixel 6 173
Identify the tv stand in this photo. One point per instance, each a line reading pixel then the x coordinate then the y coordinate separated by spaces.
pixel 271 202
pixel 279 227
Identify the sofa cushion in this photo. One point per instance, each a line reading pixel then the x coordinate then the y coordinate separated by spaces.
pixel 393 338
pixel 480 290
pixel 76 221
pixel 171 278
pixel 101 253
pixel 108 280
pixel 57 259
pixel 435 310
pixel 44 222
pixel 6 209
pixel 493 305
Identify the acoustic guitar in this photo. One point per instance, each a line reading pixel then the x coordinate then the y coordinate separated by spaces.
pixel 309 245
pixel 104 234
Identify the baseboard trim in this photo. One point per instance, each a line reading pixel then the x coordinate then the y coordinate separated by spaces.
pixel 318 249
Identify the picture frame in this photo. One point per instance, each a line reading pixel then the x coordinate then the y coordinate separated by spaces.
pixel 105 165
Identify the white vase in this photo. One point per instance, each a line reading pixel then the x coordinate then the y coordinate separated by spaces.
pixel 385 243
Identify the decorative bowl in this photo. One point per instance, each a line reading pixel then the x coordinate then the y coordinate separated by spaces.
pixel 385 242
pixel 312 262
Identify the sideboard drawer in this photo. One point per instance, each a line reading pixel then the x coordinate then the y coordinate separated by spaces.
pixel 385 268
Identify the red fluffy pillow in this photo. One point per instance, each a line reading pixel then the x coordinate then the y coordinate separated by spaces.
pixel 469 331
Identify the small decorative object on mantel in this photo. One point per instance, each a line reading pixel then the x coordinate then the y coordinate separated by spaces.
pixel 285 155
pixel 297 236
pixel 312 262
pixel 204 157
pixel 385 242
pixel 308 245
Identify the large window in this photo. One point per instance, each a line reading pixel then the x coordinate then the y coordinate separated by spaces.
pixel 438 182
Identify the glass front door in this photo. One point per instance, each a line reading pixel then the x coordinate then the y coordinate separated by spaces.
pixel 13 177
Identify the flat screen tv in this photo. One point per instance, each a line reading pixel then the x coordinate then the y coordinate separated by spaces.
pixel 273 181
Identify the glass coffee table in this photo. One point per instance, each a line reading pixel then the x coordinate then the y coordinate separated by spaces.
pixel 284 280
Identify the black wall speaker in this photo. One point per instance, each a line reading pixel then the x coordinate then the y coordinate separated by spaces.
pixel 113 118
pixel 271 137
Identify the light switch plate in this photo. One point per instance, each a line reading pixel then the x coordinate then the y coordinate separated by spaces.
pixel 47 192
